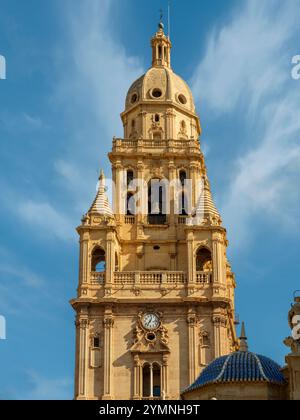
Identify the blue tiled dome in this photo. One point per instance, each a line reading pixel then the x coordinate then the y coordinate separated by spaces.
pixel 241 366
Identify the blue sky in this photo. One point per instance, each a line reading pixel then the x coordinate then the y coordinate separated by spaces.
pixel 69 65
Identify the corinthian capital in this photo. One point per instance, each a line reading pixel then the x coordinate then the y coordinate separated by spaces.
pixel 82 323
pixel 108 322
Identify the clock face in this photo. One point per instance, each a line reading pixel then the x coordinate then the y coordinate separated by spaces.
pixel 150 321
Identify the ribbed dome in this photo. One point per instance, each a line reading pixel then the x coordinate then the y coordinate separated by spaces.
pixel 160 84
pixel 241 366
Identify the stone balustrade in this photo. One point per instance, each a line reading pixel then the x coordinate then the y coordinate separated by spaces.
pixel 97 278
pixel 203 277
pixel 152 278
pixel 166 146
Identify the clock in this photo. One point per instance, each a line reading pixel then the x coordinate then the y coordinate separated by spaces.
pixel 150 321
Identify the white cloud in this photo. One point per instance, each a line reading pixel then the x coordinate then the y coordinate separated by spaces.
pixel 91 94
pixel 26 276
pixel 244 59
pixel 41 388
pixel 245 75
pixel 44 216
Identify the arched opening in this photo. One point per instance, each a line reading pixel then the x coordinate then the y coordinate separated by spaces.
pixel 156 202
pixel 182 177
pixel 116 262
pixel 203 260
pixel 130 205
pixel 156 380
pixel 156 118
pixel 183 204
pixel 146 381
pixel 151 380
pixel 98 260
pixel 130 177
pixel 160 52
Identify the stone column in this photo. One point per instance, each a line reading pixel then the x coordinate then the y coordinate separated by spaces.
pixel 219 266
pixel 110 260
pixel 84 263
pixel 170 116
pixel 136 385
pixel 220 341
pixel 191 259
pixel 125 126
pixel 195 180
pixel 108 323
pixel 192 325
pixel 118 189
pixel 151 381
pixel 82 325
pixel 293 362
pixel 143 116
pixel 172 180
pixel 142 197
pixel 164 378
pixel 141 381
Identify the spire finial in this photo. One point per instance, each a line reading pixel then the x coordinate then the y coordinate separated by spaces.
pixel 101 176
pixel 102 181
pixel 243 339
pixel 161 25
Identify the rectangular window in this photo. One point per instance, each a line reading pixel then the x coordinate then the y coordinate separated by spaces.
pixel 96 342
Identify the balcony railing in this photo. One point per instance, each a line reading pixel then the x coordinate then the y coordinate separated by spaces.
pixel 152 278
pixel 129 220
pixel 182 220
pixel 161 145
pixel 203 277
pixel 97 278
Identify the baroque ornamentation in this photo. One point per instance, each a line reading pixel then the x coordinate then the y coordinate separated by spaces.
pixel 108 322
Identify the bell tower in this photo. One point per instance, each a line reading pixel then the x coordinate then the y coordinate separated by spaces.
pixel 155 299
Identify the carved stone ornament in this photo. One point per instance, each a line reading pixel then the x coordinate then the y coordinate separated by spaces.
pixel 82 323
pixel 108 322
pixel 291 342
pixel 204 338
pixel 145 341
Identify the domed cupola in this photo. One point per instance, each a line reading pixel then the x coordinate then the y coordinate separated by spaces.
pixel 160 89
pixel 240 367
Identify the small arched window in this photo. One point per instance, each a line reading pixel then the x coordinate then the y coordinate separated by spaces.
pixel 183 204
pixel 146 381
pixel 156 380
pixel 130 177
pixel 98 260
pixel 182 177
pixel 160 51
pixel 156 202
pixel 116 262
pixel 130 205
pixel 151 380
pixel 203 260
pixel 157 118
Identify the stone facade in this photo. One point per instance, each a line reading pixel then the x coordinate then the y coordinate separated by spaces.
pixel 155 301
